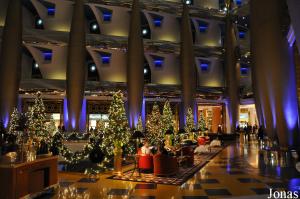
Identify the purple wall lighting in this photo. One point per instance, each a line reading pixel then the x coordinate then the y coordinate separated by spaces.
pixel 66 114
pixel 144 112
pixel 291 36
pixel 82 124
pixel 291 101
pixel 6 120
pixel 67 119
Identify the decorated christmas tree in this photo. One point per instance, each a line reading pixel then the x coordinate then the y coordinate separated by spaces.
pixel 51 128
pixel 201 123
pixel 37 119
pixel 153 127
pixel 139 126
pixel 189 124
pixel 167 117
pixel 117 133
pixel 14 122
pixel 101 126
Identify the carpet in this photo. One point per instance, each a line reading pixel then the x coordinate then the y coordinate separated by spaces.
pixel 181 177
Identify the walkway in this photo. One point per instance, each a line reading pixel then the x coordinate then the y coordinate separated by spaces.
pixel 234 172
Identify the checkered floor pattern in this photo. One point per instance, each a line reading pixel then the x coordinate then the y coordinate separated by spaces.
pixel 234 172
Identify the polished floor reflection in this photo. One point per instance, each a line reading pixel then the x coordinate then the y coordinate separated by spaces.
pixel 236 171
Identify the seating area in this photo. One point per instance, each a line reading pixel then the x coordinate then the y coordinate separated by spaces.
pixel 166 169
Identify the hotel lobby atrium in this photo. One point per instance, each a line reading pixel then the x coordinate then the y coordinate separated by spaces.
pixel 149 99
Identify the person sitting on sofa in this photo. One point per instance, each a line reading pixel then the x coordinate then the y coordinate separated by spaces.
pixel 162 150
pixel 146 149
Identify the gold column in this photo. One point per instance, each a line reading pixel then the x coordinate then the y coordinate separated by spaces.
pixel 76 66
pixel 187 67
pixel 274 71
pixel 11 55
pixel 232 72
pixel 135 65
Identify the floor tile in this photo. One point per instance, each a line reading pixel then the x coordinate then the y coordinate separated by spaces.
pixel 194 197
pixel 208 181
pixel 142 197
pixel 261 191
pixel 248 180
pixel 217 192
pixel 145 186
pixel 277 185
pixel 65 183
pixel 81 190
pixel 88 180
pixel 192 186
pixel 118 192
pixel 236 172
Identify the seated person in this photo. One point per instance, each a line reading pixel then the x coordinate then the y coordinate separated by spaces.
pixel 164 151
pixel 146 149
pixel 168 146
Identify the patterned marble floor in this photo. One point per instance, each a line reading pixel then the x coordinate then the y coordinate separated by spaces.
pixel 235 172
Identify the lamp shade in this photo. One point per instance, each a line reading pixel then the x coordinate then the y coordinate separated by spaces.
pixel 137 135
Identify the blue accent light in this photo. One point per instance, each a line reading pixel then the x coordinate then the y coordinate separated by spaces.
pixel 82 122
pixel 242 34
pixel 244 71
pixel 66 114
pixel 51 11
pixel 204 66
pixel 158 63
pixel 106 16
pixel 203 26
pixel 157 22
pixel 47 55
pixel 238 2
pixel 105 59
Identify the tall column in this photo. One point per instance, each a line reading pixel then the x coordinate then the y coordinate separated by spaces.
pixel 11 54
pixel 259 112
pixel 187 65
pixel 232 77
pixel 135 65
pixel 76 69
pixel 274 72
pixel 294 7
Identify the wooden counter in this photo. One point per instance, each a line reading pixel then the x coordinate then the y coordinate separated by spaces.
pixel 26 178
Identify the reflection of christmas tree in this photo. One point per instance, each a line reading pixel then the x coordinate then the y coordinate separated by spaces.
pixel 139 126
pixel 189 124
pixel 154 123
pixel 37 119
pixel 14 122
pixel 167 117
pixel 201 123
pixel 117 133
pixel 51 128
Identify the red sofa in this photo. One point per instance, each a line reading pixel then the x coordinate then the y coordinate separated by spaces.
pixel 145 162
pixel 201 141
pixel 165 165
